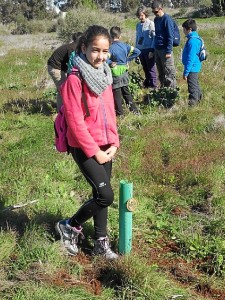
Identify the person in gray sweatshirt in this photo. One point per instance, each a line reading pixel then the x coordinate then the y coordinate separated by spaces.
pixel 145 32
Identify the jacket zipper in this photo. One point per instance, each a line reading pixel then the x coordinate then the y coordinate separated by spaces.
pixel 104 119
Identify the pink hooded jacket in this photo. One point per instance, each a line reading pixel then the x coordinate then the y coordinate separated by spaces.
pixel 99 129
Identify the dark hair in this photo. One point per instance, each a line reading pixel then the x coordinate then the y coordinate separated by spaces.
pixel 142 9
pixel 90 34
pixel 190 24
pixel 76 36
pixel 157 4
pixel 115 32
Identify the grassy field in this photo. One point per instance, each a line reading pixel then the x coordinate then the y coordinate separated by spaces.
pixel 175 159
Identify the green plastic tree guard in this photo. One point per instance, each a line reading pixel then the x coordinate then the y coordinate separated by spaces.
pixel 125 217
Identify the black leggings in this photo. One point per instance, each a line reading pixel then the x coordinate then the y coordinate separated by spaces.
pixel 99 178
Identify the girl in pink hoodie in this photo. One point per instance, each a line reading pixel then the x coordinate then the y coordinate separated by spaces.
pixel 93 139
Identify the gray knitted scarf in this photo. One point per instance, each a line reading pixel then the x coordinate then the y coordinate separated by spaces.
pixel 96 79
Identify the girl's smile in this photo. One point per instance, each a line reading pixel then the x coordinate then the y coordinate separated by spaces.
pixel 97 51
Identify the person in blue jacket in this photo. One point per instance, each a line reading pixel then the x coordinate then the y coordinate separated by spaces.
pixel 145 33
pixel 120 54
pixel 163 46
pixel 191 61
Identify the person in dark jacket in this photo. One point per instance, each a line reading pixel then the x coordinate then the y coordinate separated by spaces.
pixel 57 64
pixel 191 61
pixel 163 46
pixel 120 55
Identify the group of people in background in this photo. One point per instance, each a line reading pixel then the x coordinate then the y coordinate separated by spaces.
pixel 154 48
pixel 155 40
pixel 101 60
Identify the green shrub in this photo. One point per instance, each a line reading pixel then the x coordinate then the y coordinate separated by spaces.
pixel 51 26
pixel 41 26
pixel 23 26
pixel 135 84
pixel 164 96
pixel 73 21
pixel 36 26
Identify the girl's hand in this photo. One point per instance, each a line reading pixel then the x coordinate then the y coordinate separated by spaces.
pixel 102 157
pixel 111 151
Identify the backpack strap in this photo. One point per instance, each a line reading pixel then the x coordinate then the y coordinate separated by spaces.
pixel 196 37
pixel 77 73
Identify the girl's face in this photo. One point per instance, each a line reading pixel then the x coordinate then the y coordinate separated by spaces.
pixel 142 17
pixel 97 51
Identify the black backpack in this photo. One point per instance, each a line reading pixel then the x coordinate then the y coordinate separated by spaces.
pixel 176 38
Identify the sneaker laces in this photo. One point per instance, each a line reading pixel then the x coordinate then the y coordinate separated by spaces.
pixel 104 245
pixel 75 233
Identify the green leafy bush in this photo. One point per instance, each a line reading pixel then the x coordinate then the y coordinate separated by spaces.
pixel 135 83
pixel 164 96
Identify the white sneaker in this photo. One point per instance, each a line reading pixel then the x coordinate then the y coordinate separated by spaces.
pixel 69 236
pixel 102 247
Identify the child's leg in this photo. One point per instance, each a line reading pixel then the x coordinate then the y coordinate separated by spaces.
pixel 99 178
pixel 117 95
pixel 149 69
pixel 100 219
pixel 128 99
pixel 193 89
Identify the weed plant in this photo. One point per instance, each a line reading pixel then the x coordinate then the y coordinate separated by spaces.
pixel 175 159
